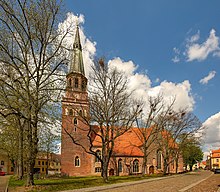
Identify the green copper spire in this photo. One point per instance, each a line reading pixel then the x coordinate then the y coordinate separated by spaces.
pixel 76 64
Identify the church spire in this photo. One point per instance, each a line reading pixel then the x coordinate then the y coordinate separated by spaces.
pixel 76 63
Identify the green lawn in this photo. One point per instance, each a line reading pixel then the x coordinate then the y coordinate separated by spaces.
pixel 59 184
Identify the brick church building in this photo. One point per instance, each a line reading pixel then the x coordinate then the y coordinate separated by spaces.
pixel 127 156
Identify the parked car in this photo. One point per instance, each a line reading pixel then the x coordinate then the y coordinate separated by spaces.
pixel 217 170
pixel 2 173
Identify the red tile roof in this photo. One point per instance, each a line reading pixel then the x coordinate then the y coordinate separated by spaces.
pixel 130 143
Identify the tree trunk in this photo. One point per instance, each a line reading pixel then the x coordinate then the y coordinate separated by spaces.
pixel 105 174
pixel 190 167
pixel 177 165
pixel 165 167
pixel 20 153
pixel 144 158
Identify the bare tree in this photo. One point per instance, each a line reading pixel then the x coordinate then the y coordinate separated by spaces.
pixel 31 64
pixel 175 127
pixel 112 109
pixel 149 132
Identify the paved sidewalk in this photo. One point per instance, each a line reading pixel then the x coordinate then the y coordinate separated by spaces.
pixel 4 182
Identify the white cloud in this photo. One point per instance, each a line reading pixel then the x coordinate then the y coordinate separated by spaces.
pixel 200 52
pixel 89 47
pixel 180 91
pixel 194 38
pixel 206 79
pixel 141 83
pixel 212 132
pixel 176 58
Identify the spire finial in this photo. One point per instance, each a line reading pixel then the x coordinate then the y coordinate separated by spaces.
pixel 77 20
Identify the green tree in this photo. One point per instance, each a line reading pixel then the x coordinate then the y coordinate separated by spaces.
pixel 31 63
pixel 192 153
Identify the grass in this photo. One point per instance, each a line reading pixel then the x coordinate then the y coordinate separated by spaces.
pixel 68 183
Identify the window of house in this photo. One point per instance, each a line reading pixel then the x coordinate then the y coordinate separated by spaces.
pixel 12 169
pixel 98 169
pixel 77 161
pixel 2 162
pixel 80 113
pixel 42 169
pixel 159 154
pixel 135 166
pixel 98 153
pixel 38 162
pixel 217 160
pixel 42 162
pixel 75 129
pixel 119 165
pixel 76 82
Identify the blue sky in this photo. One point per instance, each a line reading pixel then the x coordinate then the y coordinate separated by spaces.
pixel 168 41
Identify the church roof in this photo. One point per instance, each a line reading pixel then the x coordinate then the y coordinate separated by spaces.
pixel 130 143
pixel 76 63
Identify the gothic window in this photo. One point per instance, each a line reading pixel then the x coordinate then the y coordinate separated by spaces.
pixel 98 169
pixel 83 85
pixel 98 153
pixel 75 129
pixel 159 154
pixel 75 121
pixel 76 82
pixel 135 166
pixel 120 165
pixel 70 82
pixel 77 161
pixel 71 112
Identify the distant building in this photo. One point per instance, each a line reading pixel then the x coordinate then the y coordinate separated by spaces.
pixel 214 159
pixel 4 162
pixel 42 163
pixel 127 156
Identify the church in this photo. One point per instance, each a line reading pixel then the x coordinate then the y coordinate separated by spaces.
pixel 127 157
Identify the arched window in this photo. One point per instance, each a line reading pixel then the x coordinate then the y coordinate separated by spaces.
pixel 80 113
pixel 135 166
pixel 76 82
pixel 83 85
pixel 71 112
pixel 75 121
pixel 98 153
pixel 159 154
pixel 120 165
pixel 70 82
pixel 77 161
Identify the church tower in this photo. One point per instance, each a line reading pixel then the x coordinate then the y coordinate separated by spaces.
pixel 75 107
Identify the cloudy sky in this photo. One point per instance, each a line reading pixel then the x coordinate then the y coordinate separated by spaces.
pixel 162 46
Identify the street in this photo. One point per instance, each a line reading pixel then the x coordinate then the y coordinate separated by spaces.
pixel 204 181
